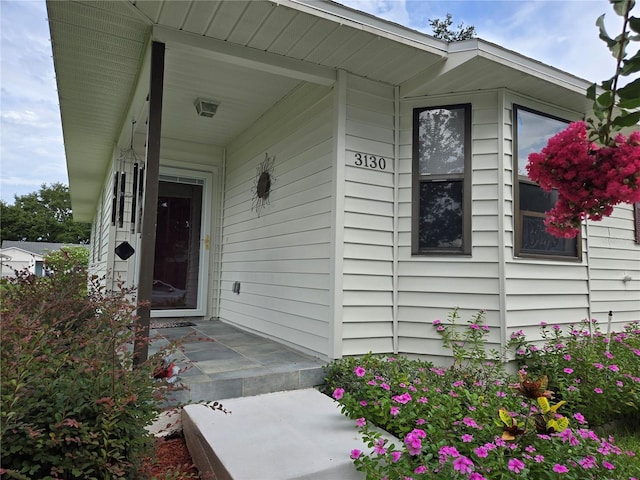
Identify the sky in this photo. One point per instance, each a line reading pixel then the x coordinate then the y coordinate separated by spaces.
pixel 560 33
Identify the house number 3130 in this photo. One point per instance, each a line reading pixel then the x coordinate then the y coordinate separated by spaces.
pixel 365 160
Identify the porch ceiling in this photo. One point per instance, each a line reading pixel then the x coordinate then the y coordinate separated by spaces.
pixel 246 55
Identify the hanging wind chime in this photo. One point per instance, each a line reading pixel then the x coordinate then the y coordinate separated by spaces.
pixel 127 157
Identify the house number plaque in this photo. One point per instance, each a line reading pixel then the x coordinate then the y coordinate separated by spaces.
pixel 371 162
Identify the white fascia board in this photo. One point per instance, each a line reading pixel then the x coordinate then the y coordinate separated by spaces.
pixel 343 15
pixel 245 56
pixel 519 62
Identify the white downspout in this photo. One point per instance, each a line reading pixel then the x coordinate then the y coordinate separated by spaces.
pixel 396 216
pixel 222 196
pixel 502 281
pixel 336 287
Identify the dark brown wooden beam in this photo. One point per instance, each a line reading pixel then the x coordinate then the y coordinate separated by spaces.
pixel 150 209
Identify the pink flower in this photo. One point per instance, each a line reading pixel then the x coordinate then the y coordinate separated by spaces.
pixel 355 453
pixel 463 465
pixel 608 465
pixel 359 371
pixel 481 452
pixel 338 393
pixel 394 411
pixel 476 476
pixel 403 399
pixel 379 447
pixel 588 462
pixel 516 465
pixel 579 417
pixel 361 422
pixel 413 441
pixel 614 368
pixel 395 456
pixel 597 390
pixel 560 468
pixel 466 438
pixel 568 371
pixel 420 469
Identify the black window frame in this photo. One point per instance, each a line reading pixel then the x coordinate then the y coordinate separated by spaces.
pixel 521 217
pixel 464 178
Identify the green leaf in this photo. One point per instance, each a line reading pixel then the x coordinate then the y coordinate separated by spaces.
pixel 634 24
pixel 631 90
pixel 606 99
pixel 622 6
pixel 630 103
pixel 591 92
pixel 627 120
pixel 603 33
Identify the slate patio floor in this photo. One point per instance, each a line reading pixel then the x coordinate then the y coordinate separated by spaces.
pixel 218 360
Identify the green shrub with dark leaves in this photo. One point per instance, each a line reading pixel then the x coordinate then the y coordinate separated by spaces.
pixel 72 405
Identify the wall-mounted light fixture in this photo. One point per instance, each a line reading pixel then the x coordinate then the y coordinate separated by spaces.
pixel 206 108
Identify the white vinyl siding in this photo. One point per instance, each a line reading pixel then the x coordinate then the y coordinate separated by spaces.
pixel 282 257
pixel 367 314
pixel 614 259
pixel 430 287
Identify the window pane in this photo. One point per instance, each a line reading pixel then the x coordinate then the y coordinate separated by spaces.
pixel 441 141
pixel 535 199
pixel 440 222
pixel 534 131
pixel 536 240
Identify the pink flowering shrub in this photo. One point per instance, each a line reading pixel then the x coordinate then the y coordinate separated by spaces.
pixel 468 421
pixel 590 179
pixel 597 374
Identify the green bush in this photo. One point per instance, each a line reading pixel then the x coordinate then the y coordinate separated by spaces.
pixel 72 406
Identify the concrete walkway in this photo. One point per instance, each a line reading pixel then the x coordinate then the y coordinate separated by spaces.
pixel 290 435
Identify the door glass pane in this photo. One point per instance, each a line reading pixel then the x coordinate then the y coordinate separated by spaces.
pixel 440 215
pixel 177 258
pixel 441 141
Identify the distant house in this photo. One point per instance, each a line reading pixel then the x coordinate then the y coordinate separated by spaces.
pixel 18 256
pixel 323 177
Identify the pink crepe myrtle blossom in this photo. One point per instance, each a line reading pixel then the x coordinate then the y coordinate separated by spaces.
pixel 590 179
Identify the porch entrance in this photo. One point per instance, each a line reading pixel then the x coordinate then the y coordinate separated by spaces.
pixel 181 254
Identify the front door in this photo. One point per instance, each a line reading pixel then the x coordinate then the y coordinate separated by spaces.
pixel 181 255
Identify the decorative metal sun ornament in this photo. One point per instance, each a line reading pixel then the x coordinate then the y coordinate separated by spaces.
pixel 263 183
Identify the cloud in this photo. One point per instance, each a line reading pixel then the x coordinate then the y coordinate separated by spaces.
pixel 31 148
